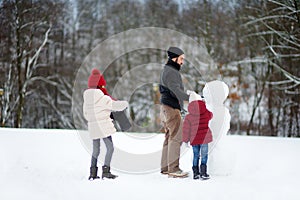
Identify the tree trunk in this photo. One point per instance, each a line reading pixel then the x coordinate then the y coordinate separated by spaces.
pixel 291 119
pixel 270 107
pixel 258 97
pixel 19 68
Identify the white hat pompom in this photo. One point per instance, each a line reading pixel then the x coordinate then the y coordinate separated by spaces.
pixel 194 97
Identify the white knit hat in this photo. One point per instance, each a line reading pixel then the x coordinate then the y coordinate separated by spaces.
pixel 194 97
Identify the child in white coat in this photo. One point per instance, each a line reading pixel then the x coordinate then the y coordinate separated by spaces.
pixel 97 108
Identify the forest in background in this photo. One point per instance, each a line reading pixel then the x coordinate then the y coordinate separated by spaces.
pixel 255 43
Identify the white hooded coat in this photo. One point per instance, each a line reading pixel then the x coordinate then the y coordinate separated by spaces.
pixel 97 108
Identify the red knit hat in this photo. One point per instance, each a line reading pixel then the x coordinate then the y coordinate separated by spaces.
pixel 96 79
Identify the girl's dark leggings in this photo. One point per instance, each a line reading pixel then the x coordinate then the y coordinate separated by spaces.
pixel 96 151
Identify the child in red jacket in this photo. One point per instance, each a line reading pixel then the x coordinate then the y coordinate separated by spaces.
pixel 197 132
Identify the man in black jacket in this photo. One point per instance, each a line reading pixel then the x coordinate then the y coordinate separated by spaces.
pixel 172 97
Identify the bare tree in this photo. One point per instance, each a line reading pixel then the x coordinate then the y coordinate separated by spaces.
pixel 29 35
pixel 277 26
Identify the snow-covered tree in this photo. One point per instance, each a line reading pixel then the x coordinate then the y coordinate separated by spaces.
pixel 29 24
pixel 276 25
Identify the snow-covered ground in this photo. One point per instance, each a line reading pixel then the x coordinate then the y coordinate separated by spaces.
pixel 54 164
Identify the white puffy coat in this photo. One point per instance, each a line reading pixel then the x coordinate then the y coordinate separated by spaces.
pixel 97 108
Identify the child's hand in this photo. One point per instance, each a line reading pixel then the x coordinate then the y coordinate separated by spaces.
pixel 119 105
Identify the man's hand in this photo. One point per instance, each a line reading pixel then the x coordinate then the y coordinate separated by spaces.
pixel 187 144
pixel 189 92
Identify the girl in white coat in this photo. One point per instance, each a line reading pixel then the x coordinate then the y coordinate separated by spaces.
pixel 97 108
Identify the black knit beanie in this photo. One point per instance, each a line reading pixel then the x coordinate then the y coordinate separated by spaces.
pixel 174 52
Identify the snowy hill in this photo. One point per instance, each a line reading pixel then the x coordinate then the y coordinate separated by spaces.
pixel 53 164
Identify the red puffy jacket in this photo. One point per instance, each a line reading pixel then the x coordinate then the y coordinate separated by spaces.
pixel 195 124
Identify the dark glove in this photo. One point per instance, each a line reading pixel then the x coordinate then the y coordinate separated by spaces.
pixel 183 113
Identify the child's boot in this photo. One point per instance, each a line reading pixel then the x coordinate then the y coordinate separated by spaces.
pixel 93 173
pixel 106 173
pixel 196 172
pixel 203 172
